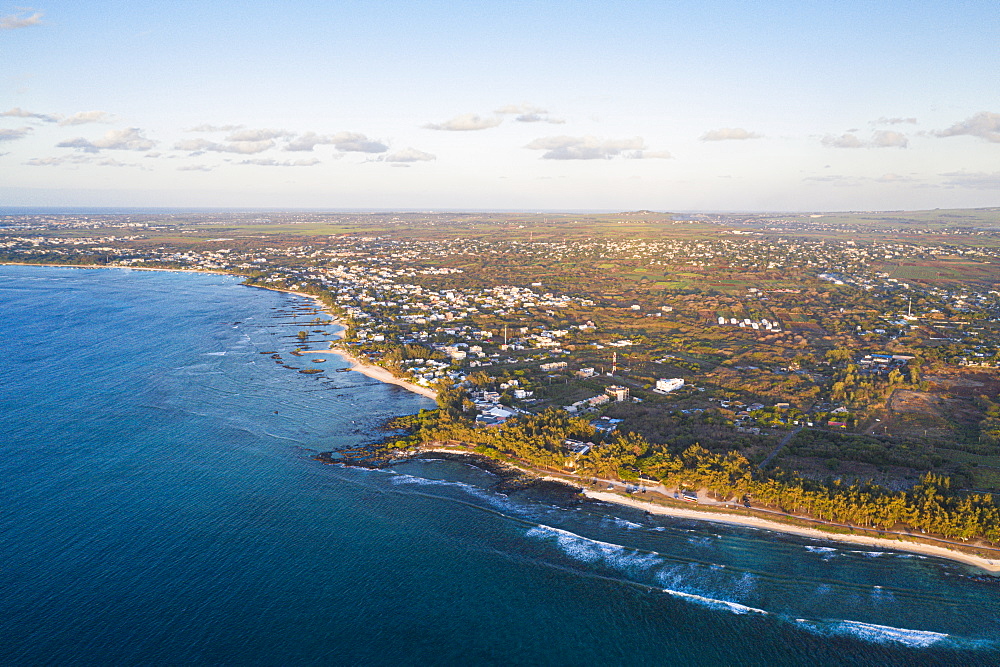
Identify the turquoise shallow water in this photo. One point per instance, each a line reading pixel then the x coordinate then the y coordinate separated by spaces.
pixel 159 506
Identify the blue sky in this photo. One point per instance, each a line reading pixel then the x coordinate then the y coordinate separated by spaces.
pixel 669 105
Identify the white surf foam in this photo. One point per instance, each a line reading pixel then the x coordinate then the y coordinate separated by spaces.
pixel 589 550
pixel 885 633
pixel 712 603
pixel 820 550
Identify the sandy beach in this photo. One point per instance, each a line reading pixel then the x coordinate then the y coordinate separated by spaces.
pixel 370 370
pixel 988 564
pixel 376 372
pixel 924 549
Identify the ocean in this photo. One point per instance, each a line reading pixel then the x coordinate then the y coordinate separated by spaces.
pixel 160 505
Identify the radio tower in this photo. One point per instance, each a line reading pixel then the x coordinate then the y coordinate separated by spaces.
pixel 614 363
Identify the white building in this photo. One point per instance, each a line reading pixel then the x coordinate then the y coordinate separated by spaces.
pixel 617 392
pixel 668 385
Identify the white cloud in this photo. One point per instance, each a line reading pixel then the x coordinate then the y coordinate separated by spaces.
pixel 307 142
pixel 22 20
pixel 465 123
pixel 538 118
pixel 258 135
pixel 895 121
pixel 974 180
pixel 214 128
pixel 194 167
pixel 17 133
pixel 519 109
pixel 268 162
pixel 585 148
pixel 239 147
pixel 729 134
pixel 409 155
pixel 84 117
pixel 843 141
pixel 889 139
pixel 345 142
pixel 352 142
pixel 18 112
pixel 985 125
pixel 127 139
pixel 45 161
pixel 880 139
pixel 526 113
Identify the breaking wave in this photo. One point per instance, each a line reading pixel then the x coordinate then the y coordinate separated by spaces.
pixel 592 551
pixel 879 634
pixel 712 603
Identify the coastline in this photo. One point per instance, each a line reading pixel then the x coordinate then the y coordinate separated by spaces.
pixel 376 372
pixel 370 370
pixel 125 268
pixel 988 564
pixel 383 375
pixel 991 565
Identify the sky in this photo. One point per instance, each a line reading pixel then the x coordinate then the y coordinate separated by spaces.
pixel 668 105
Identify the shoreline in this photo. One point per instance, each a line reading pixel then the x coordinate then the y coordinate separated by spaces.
pixel 369 370
pixel 126 268
pixel 991 565
pixel 376 372
pixel 721 516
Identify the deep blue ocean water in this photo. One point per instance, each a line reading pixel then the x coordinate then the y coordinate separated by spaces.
pixel 159 506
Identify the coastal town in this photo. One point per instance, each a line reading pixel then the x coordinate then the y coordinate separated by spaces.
pixel 834 355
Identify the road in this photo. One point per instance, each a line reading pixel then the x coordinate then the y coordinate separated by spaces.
pixel 784 441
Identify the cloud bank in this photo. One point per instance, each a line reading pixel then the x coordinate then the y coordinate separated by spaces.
pixel 127 139
pixel 239 147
